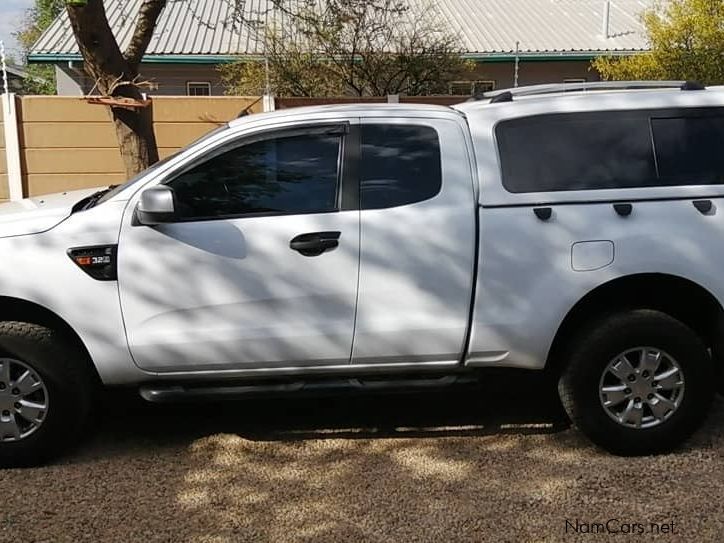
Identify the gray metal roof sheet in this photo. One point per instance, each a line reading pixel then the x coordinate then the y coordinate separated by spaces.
pixel 486 27
pixel 494 26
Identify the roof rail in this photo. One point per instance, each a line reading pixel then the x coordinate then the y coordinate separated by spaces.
pixel 550 88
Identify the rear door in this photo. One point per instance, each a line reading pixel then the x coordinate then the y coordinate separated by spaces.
pixel 417 242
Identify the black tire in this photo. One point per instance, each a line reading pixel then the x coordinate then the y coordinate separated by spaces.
pixel 602 341
pixel 70 391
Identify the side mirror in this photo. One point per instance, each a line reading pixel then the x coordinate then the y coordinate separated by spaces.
pixel 157 206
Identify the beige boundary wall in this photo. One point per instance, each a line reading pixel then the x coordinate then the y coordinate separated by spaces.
pixel 69 144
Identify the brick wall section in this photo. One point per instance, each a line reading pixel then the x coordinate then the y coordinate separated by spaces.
pixel 284 103
pixel 68 144
pixel 434 100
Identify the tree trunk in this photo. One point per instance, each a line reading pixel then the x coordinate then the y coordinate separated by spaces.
pixel 114 74
pixel 136 138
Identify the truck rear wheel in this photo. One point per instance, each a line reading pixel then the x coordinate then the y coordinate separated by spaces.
pixel 45 394
pixel 638 382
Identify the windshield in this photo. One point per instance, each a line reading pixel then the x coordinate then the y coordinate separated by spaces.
pixel 118 188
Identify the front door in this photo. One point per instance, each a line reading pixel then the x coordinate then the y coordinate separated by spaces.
pixel 259 271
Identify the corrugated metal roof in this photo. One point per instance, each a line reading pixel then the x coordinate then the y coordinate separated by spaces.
pixel 494 26
pixel 204 28
pixel 17 71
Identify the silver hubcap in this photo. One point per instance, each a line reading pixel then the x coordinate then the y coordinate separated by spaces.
pixel 23 400
pixel 642 387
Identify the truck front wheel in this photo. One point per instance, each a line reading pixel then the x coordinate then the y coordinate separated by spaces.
pixel 637 382
pixel 45 394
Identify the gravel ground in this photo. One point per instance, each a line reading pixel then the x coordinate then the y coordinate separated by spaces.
pixel 483 465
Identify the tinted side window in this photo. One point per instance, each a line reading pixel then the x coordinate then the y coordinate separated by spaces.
pixel 288 174
pixel 400 165
pixel 576 152
pixel 690 150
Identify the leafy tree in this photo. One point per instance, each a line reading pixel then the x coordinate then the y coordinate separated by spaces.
pixel 338 47
pixel 41 78
pixel 687 43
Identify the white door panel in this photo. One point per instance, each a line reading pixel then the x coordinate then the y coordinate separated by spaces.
pixel 417 263
pixel 415 287
pixel 231 293
pixel 221 288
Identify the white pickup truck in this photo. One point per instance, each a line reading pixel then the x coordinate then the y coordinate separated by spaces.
pixel 369 246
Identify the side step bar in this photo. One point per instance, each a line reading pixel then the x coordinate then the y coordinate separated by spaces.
pixel 161 393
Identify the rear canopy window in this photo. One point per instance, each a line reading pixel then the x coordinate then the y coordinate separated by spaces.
pixel 690 150
pixel 611 150
pixel 400 165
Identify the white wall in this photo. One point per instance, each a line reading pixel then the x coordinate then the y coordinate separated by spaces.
pixel 67 81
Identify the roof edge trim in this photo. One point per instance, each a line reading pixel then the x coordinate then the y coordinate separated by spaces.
pixel 225 59
pixel 148 59
pixel 549 55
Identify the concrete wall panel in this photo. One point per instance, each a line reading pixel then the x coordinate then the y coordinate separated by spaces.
pixel 69 144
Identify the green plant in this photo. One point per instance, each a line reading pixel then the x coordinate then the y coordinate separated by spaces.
pixel 686 40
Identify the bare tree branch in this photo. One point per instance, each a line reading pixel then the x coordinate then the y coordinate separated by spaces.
pixel 148 15
pixel 116 77
pixel 363 47
pixel 96 43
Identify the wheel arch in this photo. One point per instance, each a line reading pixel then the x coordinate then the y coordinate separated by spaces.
pixel 683 299
pixel 16 309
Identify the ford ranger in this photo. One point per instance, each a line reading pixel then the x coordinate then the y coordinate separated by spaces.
pixel 568 229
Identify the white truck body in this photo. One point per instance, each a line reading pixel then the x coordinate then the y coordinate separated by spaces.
pixel 229 298
pixel 432 249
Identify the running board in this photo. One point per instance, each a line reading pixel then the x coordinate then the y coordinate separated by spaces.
pixel 183 393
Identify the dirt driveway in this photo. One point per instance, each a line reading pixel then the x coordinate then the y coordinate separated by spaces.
pixel 495 464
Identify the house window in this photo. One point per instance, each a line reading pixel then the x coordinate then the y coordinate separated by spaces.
pixel 460 88
pixel 483 86
pixel 468 88
pixel 574 81
pixel 198 88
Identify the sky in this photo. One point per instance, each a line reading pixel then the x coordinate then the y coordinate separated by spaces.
pixel 11 13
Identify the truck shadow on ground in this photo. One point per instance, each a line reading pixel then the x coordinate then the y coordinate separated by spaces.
pixel 518 403
pixel 485 464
